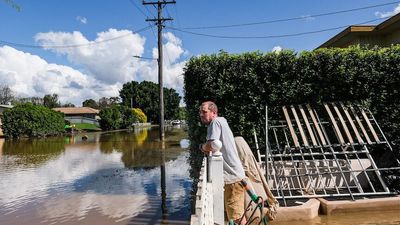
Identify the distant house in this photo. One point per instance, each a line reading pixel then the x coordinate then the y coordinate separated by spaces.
pixel 383 35
pixel 79 114
pixel 2 108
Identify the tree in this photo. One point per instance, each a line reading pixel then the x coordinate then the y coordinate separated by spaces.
pixel 33 100
pixel 51 101
pixel 90 103
pixel 6 95
pixel 171 99
pixel 69 104
pixel 145 95
pixel 182 113
pixel 105 102
pixel 128 96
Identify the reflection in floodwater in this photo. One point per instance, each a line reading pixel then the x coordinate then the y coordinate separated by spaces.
pixel 1 146
pixel 110 178
pixel 185 143
pixel 64 208
pixel 360 218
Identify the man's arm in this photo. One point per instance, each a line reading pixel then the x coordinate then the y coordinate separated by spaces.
pixel 206 147
pixel 213 134
pixel 211 146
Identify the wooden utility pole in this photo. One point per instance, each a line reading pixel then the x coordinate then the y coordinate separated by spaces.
pixel 159 22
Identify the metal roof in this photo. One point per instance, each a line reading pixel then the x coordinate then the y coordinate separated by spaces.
pixel 77 110
pixel 350 33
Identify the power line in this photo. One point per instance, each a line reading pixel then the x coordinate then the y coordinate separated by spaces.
pixel 172 22
pixel 289 19
pixel 150 12
pixel 269 36
pixel 71 46
pixel 137 7
pixel 177 16
pixel 145 15
pixel 141 57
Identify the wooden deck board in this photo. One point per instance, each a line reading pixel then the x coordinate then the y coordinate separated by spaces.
pixel 335 126
pixel 316 125
pixel 289 123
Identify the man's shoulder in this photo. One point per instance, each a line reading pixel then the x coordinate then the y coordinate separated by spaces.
pixel 219 119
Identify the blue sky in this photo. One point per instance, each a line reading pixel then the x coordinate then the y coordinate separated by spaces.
pixel 105 33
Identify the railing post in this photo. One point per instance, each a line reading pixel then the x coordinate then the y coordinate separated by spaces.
pixel 208 168
pixel 217 177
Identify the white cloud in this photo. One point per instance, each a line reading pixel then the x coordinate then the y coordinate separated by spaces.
pixel 107 61
pixel 389 13
pixel 173 68
pixel 277 49
pixel 81 19
pixel 104 66
pixel 28 75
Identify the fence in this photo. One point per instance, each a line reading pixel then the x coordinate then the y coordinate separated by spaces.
pixel 209 209
pixel 81 119
pixel 326 151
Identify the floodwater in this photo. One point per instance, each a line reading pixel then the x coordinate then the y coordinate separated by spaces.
pixel 111 178
pixel 361 218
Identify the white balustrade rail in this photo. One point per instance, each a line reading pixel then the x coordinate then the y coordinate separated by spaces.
pixel 209 209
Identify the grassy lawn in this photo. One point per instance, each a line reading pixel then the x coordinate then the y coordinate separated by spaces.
pixel 86 126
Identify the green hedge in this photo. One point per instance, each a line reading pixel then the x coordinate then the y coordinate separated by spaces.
pixel 28 120
pixel 242 84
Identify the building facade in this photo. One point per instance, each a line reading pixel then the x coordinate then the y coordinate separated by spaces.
pixel 382 35
pixel 80 114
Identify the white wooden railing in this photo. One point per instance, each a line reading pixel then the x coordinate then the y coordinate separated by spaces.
pixel 209 209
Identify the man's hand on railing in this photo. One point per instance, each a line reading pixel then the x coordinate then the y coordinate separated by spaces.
pixel 205 148
pixel 211 146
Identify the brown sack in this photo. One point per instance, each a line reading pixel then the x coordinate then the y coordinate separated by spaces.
pixel 256 180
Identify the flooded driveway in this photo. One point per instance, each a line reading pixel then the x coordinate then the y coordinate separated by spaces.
pixel 110 178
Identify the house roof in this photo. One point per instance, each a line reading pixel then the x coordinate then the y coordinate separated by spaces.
pixel 77 110
pixel 351 32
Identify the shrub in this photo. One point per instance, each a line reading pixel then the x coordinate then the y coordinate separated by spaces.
pixel 120 117
pixel 110 118
pixel 28 120
pixel 128 117
pixel 140 116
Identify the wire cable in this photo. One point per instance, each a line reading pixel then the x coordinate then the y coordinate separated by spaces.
pixel 177 16
pixel 269 36
pixel 166 50
pixel 71 46
pixel 289 19
pixel 137 7
pixel 153 15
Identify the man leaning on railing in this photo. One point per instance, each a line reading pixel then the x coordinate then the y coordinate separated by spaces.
pixel 219 133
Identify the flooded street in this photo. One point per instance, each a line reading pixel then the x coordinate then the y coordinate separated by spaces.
pixel 123 177
pixel 361 218
pixel 110 178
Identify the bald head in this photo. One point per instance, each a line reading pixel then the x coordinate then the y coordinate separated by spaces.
pixel 208 111
pixel 211 106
